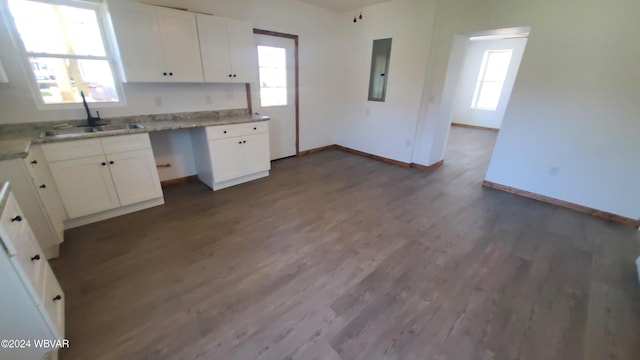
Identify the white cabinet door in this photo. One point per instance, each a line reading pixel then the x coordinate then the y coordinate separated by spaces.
pixel 85 185
pixel 214 45
pixel 226 159
pixel 139 44
pixel 255 153
pixel 180 45
pixel 242 51
pixel 135 176
pixel 52 202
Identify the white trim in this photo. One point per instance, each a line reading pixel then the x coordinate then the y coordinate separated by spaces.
pixel 108 214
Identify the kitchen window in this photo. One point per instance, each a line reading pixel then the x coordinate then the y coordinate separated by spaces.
pixel 272 66
pixel 64 46
pixel 493 73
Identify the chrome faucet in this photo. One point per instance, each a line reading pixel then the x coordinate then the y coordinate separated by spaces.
pixel 91 120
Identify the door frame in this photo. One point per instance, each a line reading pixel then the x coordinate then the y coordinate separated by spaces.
pixel 295 70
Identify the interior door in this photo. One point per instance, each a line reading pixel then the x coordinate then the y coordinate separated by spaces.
pixel 276 64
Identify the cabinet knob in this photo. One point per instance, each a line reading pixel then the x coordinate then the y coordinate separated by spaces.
pixel 36 257
pixel 239 142
pixel 34 162
pixel 43 186
pixel 255 128
pixel 165 74
pixel 103 163
pixel 244 142
pixel 230 75
pixel 111 162
pixel 225 131
pixel 57 298
pixel 234 75
pixel 17 218
pixel 170 74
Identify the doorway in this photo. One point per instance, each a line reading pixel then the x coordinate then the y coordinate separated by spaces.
pixel 489 72
pixel 278 90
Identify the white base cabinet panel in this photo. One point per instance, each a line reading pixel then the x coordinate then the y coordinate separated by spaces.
pixel 32 302
pixel 228 155
pixel 120 172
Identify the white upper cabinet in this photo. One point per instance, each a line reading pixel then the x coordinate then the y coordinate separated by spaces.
pixel 228 49
pixel 156 44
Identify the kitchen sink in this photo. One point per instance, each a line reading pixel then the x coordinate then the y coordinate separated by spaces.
pixel 69 131
pixel 74 131
pixel 116 127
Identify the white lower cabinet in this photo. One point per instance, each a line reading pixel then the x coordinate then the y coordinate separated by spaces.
pixel 228 155
pixel 85 185
pixel 119 172
pixel 32 301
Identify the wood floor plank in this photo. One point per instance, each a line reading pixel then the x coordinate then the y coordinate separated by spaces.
pixel 336 256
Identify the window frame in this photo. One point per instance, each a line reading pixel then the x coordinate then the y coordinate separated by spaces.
pixel 481 79
pixel 107 41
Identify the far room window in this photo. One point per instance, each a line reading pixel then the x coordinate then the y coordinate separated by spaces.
pixel 272 65
pixel 493 73
pixel 64 46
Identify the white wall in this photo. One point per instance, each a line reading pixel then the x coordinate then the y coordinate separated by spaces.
pixel 463 113
pixel 385 128
pixel 573 106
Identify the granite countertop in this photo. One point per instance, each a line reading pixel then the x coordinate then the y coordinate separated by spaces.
pixel 16 139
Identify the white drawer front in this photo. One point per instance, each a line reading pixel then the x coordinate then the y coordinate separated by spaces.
pixel 255 128
pixel 31 260
pixel 74 149
pixel 227 131
pixel 36 162
pixel 116 144
pixel 53 301
pixel 12 222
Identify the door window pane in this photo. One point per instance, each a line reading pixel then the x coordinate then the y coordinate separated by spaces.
pixel 272 65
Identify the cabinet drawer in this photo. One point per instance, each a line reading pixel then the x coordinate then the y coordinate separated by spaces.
pixel 116 144
pixel 31 260
pixel 72 149
pixel 227 131
pixel 12 222
pixel 35 162
pixel 53 300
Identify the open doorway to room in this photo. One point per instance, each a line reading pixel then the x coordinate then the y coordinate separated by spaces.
pixel 482 72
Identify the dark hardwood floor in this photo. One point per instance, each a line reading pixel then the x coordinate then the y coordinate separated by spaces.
pixel 336 256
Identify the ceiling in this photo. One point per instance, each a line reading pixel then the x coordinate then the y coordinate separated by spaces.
pixel 343 5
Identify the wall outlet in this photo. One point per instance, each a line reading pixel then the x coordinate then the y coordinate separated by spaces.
pixel 554 170
pixel 158 101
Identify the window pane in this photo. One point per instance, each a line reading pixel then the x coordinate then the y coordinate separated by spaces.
pixel 489 95
pixel 273 97
pixel 497 65
pixel 57 29
pixel 272 63
pixel 60 80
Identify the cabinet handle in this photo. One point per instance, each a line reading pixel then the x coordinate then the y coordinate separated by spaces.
pixel 170 74
pixel 244 142
pixel 34 162
pixel 230 75
pixel 255 128
pixel 43 186
pixel 36 257
pixel 111 162
pixel 57 298
pixel 239 142
pixel 234 75
pixel 103 163
pixel 225 132
pixel 165 74
pixel 18 218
